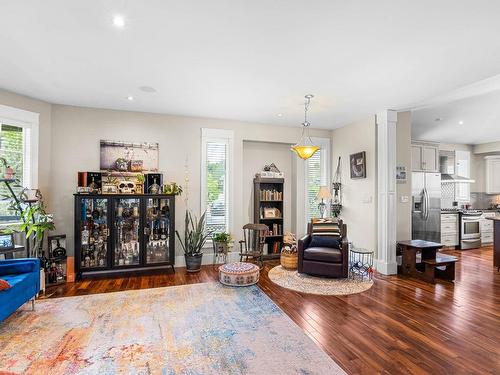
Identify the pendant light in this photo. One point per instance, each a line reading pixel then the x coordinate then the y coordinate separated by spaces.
pixel 305 147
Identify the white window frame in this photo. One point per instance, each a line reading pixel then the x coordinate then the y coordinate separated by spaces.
pixel 29 121
pixel 223 136
pixel 326 162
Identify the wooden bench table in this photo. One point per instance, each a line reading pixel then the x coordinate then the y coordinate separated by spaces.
pixel 427 269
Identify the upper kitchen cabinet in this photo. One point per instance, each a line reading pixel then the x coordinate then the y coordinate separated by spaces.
pixel 492 174
pixel 424 157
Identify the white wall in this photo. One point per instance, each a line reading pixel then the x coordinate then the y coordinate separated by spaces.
pixel 255 156
pixel 403 158
pixel 359 196
pixel 75 147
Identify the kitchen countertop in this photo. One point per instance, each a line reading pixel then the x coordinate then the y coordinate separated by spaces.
pixel 496 218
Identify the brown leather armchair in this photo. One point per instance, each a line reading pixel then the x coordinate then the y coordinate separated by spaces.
pixel 324 261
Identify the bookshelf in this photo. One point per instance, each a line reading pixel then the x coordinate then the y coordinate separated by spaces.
pixel 269 210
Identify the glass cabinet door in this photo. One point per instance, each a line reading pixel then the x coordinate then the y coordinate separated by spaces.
pixel 127 223
pixel 94 233
pixel 157 230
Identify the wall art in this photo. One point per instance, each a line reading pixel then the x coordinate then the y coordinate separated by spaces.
pixel 129 157
pixel 358 165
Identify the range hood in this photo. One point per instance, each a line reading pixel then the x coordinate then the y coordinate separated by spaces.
pixel 447 169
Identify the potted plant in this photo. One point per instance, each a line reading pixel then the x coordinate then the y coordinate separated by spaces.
pixel 194 240
pixel 221 241
pixel 8 172
pixel 172 188
pixel 140 183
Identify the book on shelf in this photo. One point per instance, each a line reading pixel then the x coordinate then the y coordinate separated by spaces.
pixel 271 195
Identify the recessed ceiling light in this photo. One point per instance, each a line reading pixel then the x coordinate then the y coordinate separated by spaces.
pixel 280 115
pixel 460 123
pixel 148 89
pixel 118 21
pixel 130 98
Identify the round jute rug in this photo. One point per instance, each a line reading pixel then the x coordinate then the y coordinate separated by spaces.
pixel 317 285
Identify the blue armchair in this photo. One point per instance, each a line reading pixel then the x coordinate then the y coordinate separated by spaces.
pixel 23 275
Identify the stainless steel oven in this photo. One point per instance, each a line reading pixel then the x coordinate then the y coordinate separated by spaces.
pixel 470 235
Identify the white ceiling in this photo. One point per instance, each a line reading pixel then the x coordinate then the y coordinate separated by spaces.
pixel 248 60
pixel 472 120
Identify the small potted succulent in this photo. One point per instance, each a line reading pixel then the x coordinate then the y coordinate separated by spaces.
pixel 194 240
pixel 139 186
pixel 221 241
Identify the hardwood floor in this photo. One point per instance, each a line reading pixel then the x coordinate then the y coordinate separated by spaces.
pixel 399 326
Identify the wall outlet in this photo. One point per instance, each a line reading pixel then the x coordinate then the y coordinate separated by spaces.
pixel 367 199
pixel 404 199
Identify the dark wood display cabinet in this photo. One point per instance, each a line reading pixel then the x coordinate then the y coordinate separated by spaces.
pixel 122 234
pixel 269 210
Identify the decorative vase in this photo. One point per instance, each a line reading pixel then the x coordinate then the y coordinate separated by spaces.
pixel 193 262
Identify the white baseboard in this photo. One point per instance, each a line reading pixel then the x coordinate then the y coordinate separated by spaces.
pixel 208 258
pixel 386 268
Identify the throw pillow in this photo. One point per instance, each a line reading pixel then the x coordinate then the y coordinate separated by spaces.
pixel 4 285
pixel 325 241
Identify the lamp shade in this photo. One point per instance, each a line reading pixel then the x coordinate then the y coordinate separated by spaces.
pixel 305 151
pixel 323 193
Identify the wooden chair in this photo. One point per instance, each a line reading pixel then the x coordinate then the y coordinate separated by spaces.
pixel 252 246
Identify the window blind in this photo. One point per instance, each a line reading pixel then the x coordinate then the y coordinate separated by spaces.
pixel 313 182
pixel 216 187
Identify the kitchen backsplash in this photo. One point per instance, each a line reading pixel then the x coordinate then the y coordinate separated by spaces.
pixel 447 195
pixel 483 200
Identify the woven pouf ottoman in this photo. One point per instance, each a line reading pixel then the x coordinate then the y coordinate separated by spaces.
pixel 238 274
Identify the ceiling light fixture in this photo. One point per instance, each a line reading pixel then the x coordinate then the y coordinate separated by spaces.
pixel 119 21
pixel 280 115
pixel 147 89
pixel 130 98
pixel 305 148
pixel 460 123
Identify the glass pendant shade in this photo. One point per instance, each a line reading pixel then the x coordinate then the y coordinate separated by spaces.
pixel 305 148
pixel 305 152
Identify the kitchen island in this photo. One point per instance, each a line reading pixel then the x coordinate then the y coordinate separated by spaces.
pixel 496 241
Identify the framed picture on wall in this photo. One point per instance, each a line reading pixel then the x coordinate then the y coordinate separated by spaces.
pixel 129 157
pixel 401 174
pixel 358 165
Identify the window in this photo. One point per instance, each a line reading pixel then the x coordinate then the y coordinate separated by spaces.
pixel 317 173
pixel 216 178
pixel 18 145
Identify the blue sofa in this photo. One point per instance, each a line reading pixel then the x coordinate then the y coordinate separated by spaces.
pixel 23 275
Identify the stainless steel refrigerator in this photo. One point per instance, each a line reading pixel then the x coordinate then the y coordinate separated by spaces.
pixel 426 206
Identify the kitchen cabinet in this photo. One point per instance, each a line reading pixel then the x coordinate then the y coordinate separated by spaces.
pixel 486 228
pixel 449 230
pixel 424 157
pixel 462 169
pixel 492 174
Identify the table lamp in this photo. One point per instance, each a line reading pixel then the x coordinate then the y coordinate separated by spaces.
pixel 323 193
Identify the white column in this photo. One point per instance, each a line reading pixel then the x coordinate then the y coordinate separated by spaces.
pixel 386 192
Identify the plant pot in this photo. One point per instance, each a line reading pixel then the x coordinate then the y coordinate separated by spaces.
pixel 193 262
pixel 221 247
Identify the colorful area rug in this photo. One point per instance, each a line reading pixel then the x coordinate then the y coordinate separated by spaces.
pixel 317 285
pixel 191 329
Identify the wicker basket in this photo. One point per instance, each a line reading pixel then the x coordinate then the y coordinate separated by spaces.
pixel 289 261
